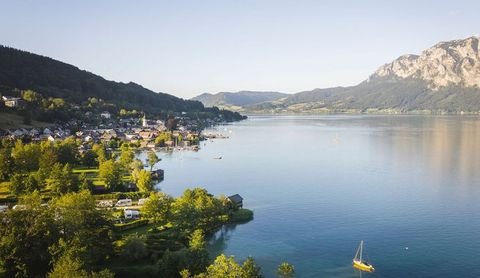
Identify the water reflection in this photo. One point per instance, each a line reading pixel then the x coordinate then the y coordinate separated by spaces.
pixel 218 242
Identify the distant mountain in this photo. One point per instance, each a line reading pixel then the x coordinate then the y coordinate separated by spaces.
pixel 443 78
pixel 20 70
pixel 239 100
pixel 452 63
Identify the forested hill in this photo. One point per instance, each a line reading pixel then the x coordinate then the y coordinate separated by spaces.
pixel 20 70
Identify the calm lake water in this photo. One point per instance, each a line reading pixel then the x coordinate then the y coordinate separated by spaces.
pixel 318 185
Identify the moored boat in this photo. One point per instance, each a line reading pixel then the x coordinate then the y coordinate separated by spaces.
pixel 359 262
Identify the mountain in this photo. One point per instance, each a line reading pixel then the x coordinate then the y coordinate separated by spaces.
pixel 453 63
pixel 443 78
pixel 239 100
pixel 20 70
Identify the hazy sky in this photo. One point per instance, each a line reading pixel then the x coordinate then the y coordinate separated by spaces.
pixel 190 47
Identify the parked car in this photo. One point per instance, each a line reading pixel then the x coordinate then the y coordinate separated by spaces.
pixel 141 202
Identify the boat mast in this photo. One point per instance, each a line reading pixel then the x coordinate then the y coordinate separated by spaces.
pixel 361 249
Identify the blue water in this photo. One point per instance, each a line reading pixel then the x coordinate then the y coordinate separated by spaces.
pixel 318 185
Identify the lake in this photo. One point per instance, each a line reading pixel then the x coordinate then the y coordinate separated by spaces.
pixel 320 184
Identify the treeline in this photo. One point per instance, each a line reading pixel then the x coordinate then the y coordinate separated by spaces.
pixel 70 237
pixel 48 167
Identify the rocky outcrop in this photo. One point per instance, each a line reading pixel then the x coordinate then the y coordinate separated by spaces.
pixel 447 63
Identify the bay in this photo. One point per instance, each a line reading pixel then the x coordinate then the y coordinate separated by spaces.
pixel 320 184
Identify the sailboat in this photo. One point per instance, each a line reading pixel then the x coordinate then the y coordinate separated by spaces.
pixel 359 262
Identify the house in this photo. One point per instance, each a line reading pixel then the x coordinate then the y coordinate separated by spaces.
pixel 12 102
pixel 158 174
pixel 105 115
pixel 236 200
pixel 47 131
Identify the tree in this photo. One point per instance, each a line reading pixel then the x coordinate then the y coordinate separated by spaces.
pixel 126 156
pixel 143 179
pixel 62 180
pixel 135 248
pixel 6 163
pixel 89 159
pixel 84 229
pixel 48 156
pixel 83 182
pixel 197 209
pixel 153 159
pixel 198 254
pixel 70 266
pixel 224 267
pixel 163 137
pixel 99 149
pixel 171 123
pixel 109 171
pixel 26 157
pixel 157 207
pixel 286 270
pixel 23 183
pixel 31 96
pixel 67 151
pixel 251 269
pixel 26 235
pixel 197 240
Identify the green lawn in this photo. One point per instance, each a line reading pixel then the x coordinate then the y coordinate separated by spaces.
pixel 85 170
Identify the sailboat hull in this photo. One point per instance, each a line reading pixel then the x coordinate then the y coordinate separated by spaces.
pixel 363 267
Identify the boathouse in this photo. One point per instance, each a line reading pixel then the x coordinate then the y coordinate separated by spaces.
pixel 236 200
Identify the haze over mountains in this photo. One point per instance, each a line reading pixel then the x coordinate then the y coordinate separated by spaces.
pixel 443 78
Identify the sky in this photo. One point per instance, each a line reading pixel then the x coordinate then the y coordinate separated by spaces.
pixel 186 48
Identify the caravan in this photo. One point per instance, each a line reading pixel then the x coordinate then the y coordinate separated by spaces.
pixel 124 203
pixel 131 214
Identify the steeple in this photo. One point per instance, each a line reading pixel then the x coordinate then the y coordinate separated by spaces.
pixel 144 121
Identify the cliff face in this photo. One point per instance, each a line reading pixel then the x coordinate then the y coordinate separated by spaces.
pixel 447 63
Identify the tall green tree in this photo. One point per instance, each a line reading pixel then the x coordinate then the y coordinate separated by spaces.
pixel 84 228
pixel 26 157
pixel 99 149
pixel 67 151
pixel 126 156
pixel 6 163
pixel 197 209
pixel 153 159
pixel 110 172
pixel 143 179
pixel 25 237
pixel 158 207
pixel 62 180
pixel 24 183
pixel 89 159
pixel 135 248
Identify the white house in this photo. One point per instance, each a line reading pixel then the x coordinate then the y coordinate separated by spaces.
pixel 12 101
pixel 105 115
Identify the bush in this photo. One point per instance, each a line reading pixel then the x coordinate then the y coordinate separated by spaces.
pixel 131 225
pixel 241 215
pixel 121 195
